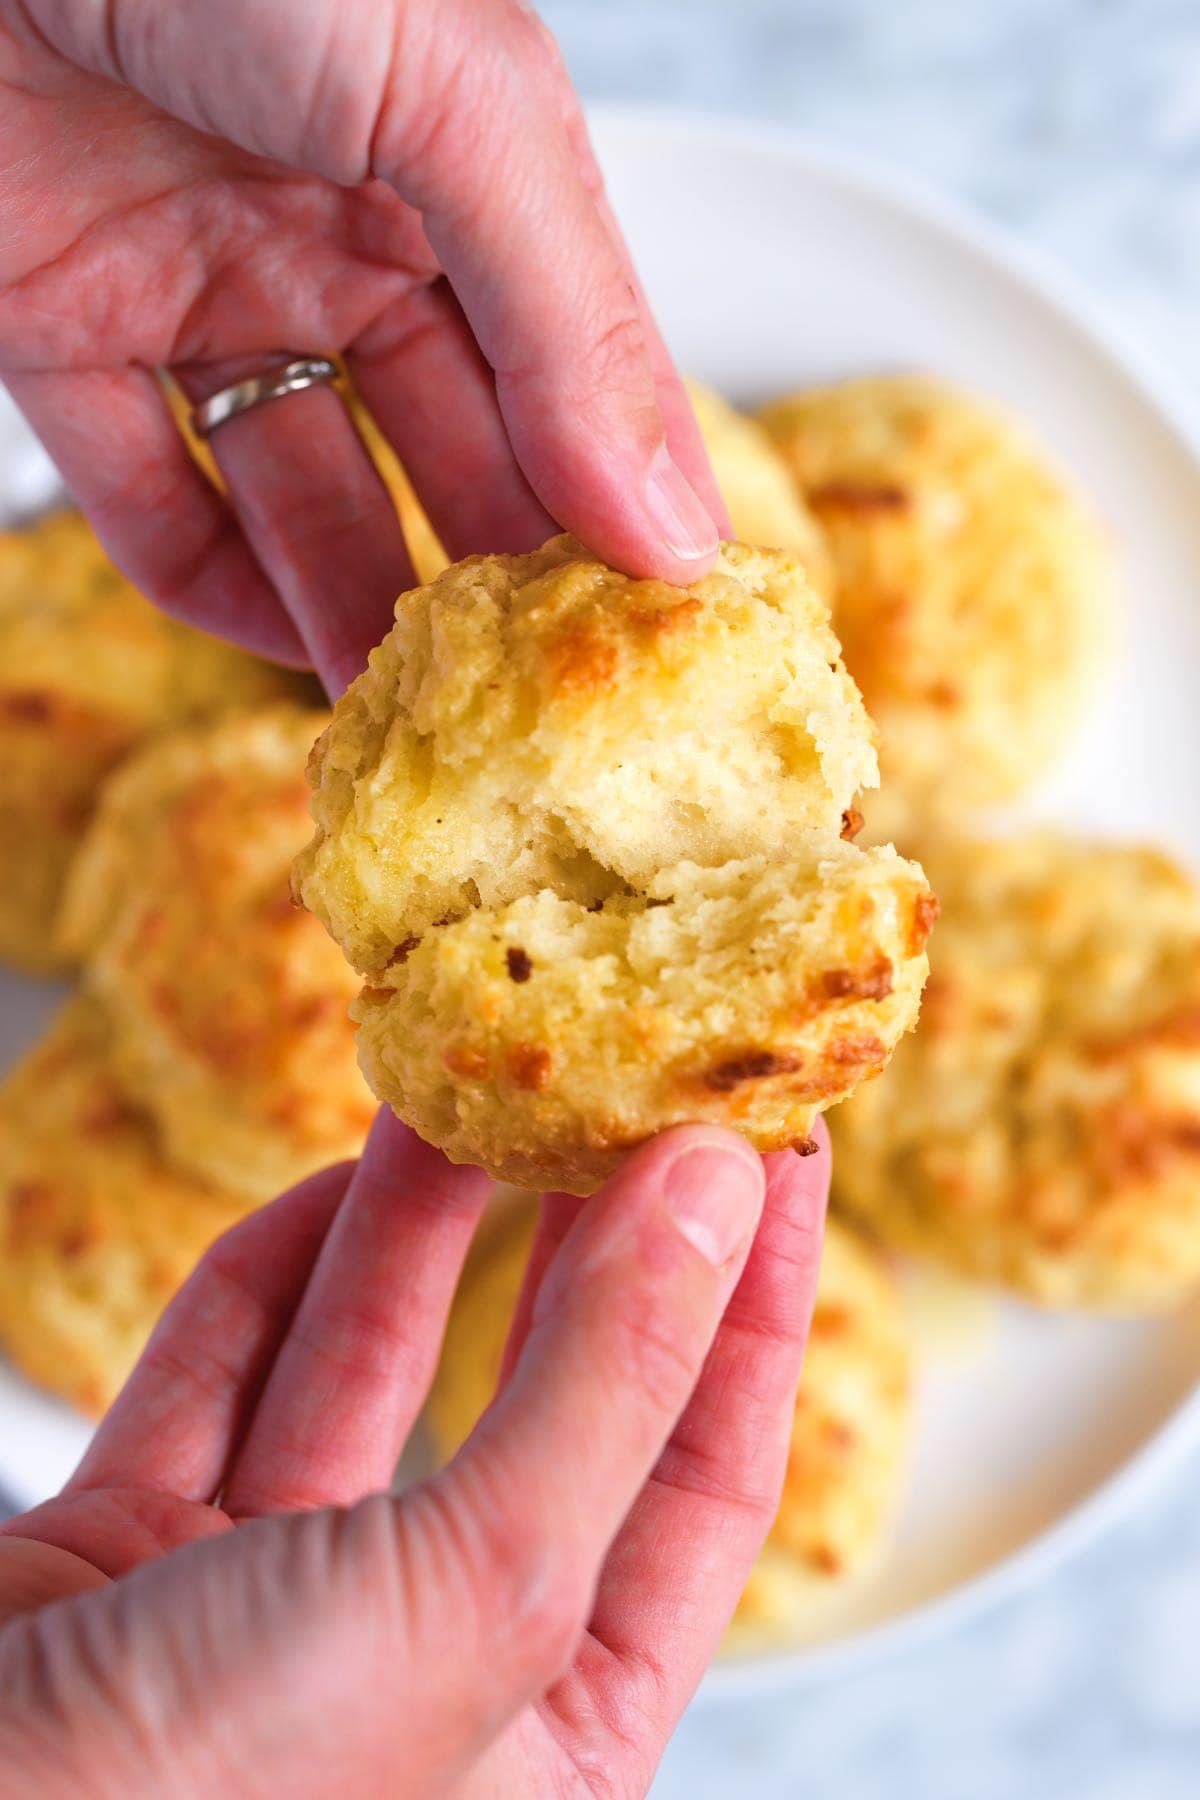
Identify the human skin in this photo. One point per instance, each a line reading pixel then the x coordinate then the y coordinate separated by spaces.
pixel 224 1598
pixel 206 188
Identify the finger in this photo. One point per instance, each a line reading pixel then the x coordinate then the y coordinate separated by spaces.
pixel 676 1569
pixel 315 512
pixel 421 374
pixel 116 1529
pixel 620 1329
pixel 558 1213
pixel 683 433
pixel 352 1376
pixel 541 284
pixel 181 1414
pixel 33 1574
pixel 116 446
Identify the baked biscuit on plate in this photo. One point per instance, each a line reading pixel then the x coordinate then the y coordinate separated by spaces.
pixel 972 591
pixel 88 671
pixel 228 1004
pixel 97 1231
pixel 1041 1128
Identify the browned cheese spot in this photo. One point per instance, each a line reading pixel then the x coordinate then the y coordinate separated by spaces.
pixel 752 1065
pixel 661 621
pixel 861 496
pixel 1176 1030
pixel 520 965
pixel 825 1559
pixel 856 1050
pixel 583 662
pixel 28 708
pixel 830 1321
pixel 31 1208
pixel 838 1435
pixel 924 917
pixel 107 1115
pixel 873 982
pixel 467 1061
pixel 529 1066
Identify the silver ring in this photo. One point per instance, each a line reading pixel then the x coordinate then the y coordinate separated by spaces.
pixel 256 390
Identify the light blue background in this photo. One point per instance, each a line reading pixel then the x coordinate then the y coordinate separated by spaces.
pixel 1078 123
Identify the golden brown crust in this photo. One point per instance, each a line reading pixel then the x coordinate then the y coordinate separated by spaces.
pixel 228 1003
pixel 724 995
pixel 96 1230
pixel 88 671
pixel 972 592
pixel 848 1438
pixel 1042 1128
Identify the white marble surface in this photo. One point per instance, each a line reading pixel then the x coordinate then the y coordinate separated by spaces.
pixel 1077 122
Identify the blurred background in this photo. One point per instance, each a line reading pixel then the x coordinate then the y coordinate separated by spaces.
pixel 1076 123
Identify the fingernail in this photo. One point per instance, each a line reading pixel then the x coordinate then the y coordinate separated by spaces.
pixel 678 513
pixel 715 1196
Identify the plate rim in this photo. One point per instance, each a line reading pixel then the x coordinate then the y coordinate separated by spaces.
pixel 1174 401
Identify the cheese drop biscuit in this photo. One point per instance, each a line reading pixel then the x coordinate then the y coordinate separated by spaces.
pixel 972 591
pixel 1042 1127
pixel 583 837
pixel 88 672
pixel 97 1230
pixel 228 1005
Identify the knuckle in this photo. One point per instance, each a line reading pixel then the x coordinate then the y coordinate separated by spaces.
pixel 748 1486
pixel 548 1621
pixel 611 376
pixel 618 339
pixel 532 43
pixel 432 126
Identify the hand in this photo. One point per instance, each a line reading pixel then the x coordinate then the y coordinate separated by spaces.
pixel 531 1621
pixel 202 187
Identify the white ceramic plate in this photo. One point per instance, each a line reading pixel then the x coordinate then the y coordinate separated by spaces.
pixel 772 263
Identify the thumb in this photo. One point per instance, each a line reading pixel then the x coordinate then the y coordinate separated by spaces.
pixel 383 1648
pixel 508 1543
